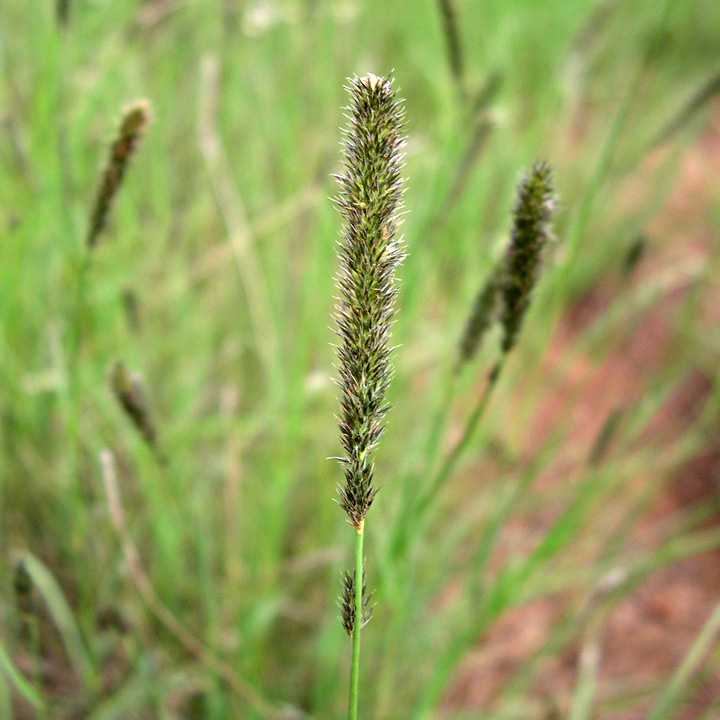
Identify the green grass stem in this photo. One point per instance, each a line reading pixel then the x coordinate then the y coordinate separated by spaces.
pixel 357 628
pixel 452 459
pixel 674 690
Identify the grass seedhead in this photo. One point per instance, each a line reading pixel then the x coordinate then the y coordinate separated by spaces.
pixel 134 123
pixel 453 44
pixel 369 201
pixel 131 396
pixel 346 603
pixel 62 12
pixel 481 318
pixel 530 233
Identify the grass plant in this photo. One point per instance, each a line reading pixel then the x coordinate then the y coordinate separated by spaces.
pixel 369 201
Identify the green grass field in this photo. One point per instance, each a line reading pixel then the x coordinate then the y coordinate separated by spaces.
pixel 206 588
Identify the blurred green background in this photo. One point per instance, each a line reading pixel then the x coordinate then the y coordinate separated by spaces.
pixel 586 507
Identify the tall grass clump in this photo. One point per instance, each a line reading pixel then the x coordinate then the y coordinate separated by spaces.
pixel 369 201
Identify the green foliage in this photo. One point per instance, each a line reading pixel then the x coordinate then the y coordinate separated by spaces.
pixel 223 236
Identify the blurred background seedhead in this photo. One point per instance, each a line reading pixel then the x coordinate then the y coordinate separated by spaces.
pixel 135 119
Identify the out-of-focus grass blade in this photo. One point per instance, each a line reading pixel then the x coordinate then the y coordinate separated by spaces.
pixel 712 712
pixel 142 689
pixel 451 31
pixel 61 614
pixel 5 706
pixel 701 98
pixel 586 685
pixel 675 689
pixel 9 670
pixel 606 434
pixel 623 582
pixel 487 92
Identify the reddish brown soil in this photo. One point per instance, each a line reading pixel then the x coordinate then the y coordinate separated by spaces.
pixel 648 633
